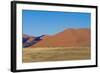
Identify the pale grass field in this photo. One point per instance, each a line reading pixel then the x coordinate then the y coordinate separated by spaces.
pixel 55 54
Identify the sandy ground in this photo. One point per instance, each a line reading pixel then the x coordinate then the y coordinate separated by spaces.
pixel 55 54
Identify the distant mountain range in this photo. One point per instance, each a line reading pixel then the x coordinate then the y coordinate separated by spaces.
pixel 66 38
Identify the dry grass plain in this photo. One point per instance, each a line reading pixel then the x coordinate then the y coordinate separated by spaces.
pixel 55 54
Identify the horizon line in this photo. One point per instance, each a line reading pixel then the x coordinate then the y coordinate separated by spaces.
pixel 57 32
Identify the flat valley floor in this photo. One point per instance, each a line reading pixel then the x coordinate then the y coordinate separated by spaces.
pixel 55 54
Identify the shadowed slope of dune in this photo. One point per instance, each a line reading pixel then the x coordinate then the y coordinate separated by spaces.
pixel 66 38
pixel 27 39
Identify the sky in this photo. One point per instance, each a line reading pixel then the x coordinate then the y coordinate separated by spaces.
pixel 38 23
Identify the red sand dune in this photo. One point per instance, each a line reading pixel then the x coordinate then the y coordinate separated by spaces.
pixel 66 38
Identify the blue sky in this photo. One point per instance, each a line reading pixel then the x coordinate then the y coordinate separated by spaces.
pixel 37 23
